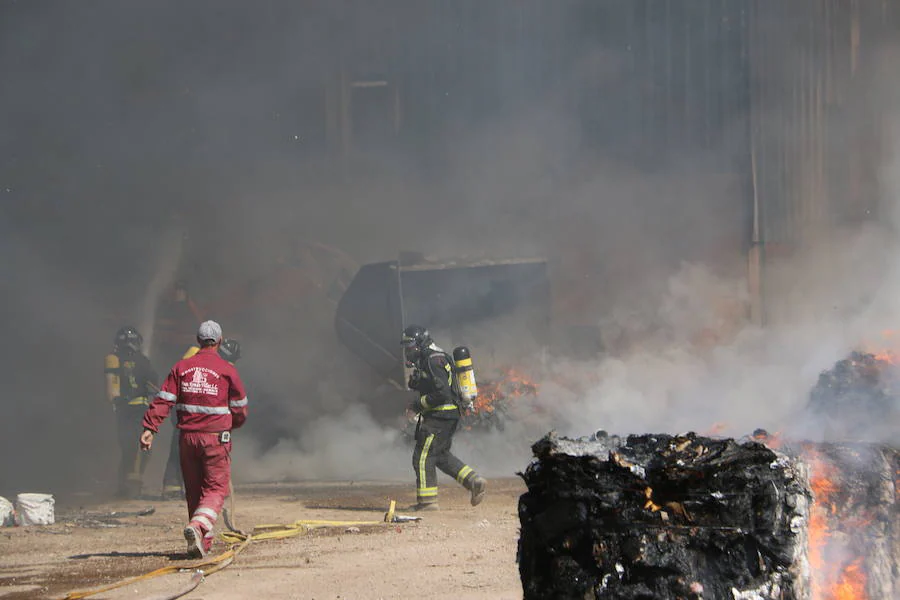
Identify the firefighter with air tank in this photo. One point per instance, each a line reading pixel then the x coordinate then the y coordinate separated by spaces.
pixel 130 383
pixel 445 388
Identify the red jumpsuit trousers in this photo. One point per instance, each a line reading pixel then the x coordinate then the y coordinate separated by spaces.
pixel 206 468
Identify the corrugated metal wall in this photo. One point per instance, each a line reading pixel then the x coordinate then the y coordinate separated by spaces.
pixel 807 75
pixel 652 78
pixel 770 92
pixel 685 76
pixel 815 133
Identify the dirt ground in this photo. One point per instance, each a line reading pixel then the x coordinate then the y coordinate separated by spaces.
pixel 460 552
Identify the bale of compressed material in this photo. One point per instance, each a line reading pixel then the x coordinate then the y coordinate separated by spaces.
pixel 663 517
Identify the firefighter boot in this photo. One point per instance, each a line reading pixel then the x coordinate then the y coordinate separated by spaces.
pixel 477 487
pixel 196 546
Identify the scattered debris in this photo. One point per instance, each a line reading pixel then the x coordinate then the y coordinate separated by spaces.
pixel 405 519
pixel 136 513
pixel 98 520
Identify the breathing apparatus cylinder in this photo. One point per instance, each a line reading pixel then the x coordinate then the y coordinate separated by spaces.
pixel 113 386
pixel 465 374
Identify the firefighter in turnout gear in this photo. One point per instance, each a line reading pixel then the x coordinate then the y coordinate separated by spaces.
pixel 173 489
pixel 130 382
pixel 208 395
pixel 439 410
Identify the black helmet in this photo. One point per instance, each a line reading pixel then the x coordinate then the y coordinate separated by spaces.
pixel 230 350
pixel 415 339
pixel 128 338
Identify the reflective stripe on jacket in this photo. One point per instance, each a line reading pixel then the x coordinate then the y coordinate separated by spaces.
pixel 207 392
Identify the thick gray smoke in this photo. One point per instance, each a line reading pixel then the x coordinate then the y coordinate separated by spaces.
pixel 124 125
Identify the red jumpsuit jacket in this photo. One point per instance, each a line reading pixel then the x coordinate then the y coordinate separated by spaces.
pixel 207 392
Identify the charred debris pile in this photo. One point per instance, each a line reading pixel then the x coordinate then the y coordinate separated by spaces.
pixel 664 517
pixel 858 398
pixel 690 517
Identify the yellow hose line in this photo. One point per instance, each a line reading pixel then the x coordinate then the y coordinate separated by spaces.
pixel 277 532
pixel 207 566
pixel 312 523
pixel 238 542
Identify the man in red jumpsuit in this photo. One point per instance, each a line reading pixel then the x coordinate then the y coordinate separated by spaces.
pixel 209 397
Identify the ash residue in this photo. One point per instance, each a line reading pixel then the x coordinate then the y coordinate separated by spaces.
pixel 599 445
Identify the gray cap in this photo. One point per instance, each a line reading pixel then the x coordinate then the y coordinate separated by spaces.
pixel 209 330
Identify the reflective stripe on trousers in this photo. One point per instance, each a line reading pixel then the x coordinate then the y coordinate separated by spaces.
pixel 422 491
pixel 434 437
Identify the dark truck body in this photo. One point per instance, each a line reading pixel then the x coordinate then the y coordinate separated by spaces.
pixel 461 303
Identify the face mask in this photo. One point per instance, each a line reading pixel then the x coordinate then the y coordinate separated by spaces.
pixel 411 354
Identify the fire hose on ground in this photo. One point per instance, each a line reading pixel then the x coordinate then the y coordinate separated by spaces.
pixel 239 542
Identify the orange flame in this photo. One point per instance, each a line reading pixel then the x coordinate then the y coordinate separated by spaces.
pixel 881 352
pixel 852 583
pixel 829 581
pixel 716 429
pixel 512 384
pixel 772 441
pixel 888 356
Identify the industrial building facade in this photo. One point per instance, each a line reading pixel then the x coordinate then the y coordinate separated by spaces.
pixel 784 98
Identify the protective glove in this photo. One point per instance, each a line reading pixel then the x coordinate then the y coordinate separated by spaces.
pixel 415 378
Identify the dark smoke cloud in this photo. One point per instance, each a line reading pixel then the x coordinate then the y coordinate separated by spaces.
pixel 124 123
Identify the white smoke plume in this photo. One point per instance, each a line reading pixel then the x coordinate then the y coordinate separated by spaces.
pixel 347 445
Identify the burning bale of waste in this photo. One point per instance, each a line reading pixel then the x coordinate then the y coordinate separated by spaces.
pixel 664 517
pixel 678 517
pixel 858 398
